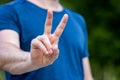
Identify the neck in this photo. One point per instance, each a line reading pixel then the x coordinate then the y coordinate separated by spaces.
pixel 48 4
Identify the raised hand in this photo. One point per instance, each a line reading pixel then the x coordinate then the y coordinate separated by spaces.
pixel 44 48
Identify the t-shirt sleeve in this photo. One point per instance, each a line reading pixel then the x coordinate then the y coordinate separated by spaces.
pixel 8 19
pixel 80 19
pixel 85 51
pixel 85 34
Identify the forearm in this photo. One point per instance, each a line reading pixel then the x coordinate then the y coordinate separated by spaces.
pixel 87 70
pixel 14 60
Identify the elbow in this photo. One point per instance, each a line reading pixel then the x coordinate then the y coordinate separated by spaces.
pixel 4 68
pixel 8 69
pixel 14 72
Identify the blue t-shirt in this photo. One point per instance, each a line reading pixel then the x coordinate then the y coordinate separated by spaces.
pixel 28 21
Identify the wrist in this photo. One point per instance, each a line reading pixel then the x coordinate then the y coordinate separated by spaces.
pixel 30 65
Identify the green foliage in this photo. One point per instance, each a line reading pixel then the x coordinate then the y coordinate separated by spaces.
pixel 2 76
pixel 102 18
pixel 4 1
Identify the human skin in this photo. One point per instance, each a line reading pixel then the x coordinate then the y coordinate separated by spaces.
pixel 44 48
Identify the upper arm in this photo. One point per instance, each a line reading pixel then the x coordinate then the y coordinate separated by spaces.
pixel 9 39
pixel 87 70
pixel 9 29
pixel 9 36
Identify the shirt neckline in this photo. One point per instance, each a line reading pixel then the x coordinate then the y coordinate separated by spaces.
pixel 32 4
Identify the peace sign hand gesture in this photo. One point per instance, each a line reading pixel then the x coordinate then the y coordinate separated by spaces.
pixel 44 48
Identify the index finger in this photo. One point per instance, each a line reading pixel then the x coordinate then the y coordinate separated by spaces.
pixel 61 26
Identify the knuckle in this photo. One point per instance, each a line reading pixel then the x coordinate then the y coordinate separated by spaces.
pixel 61 27
pixel 57 34
pixel 48 23
pixel 43 37
pixel 39 37
pixel 33 41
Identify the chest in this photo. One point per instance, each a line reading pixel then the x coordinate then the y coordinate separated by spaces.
pixel 32 25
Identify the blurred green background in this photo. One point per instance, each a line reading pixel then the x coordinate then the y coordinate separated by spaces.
pixel 103 24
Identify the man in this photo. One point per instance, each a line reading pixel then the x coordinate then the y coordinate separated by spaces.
pixel 32 35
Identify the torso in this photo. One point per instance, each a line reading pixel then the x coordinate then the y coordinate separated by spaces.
pixel 69 64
